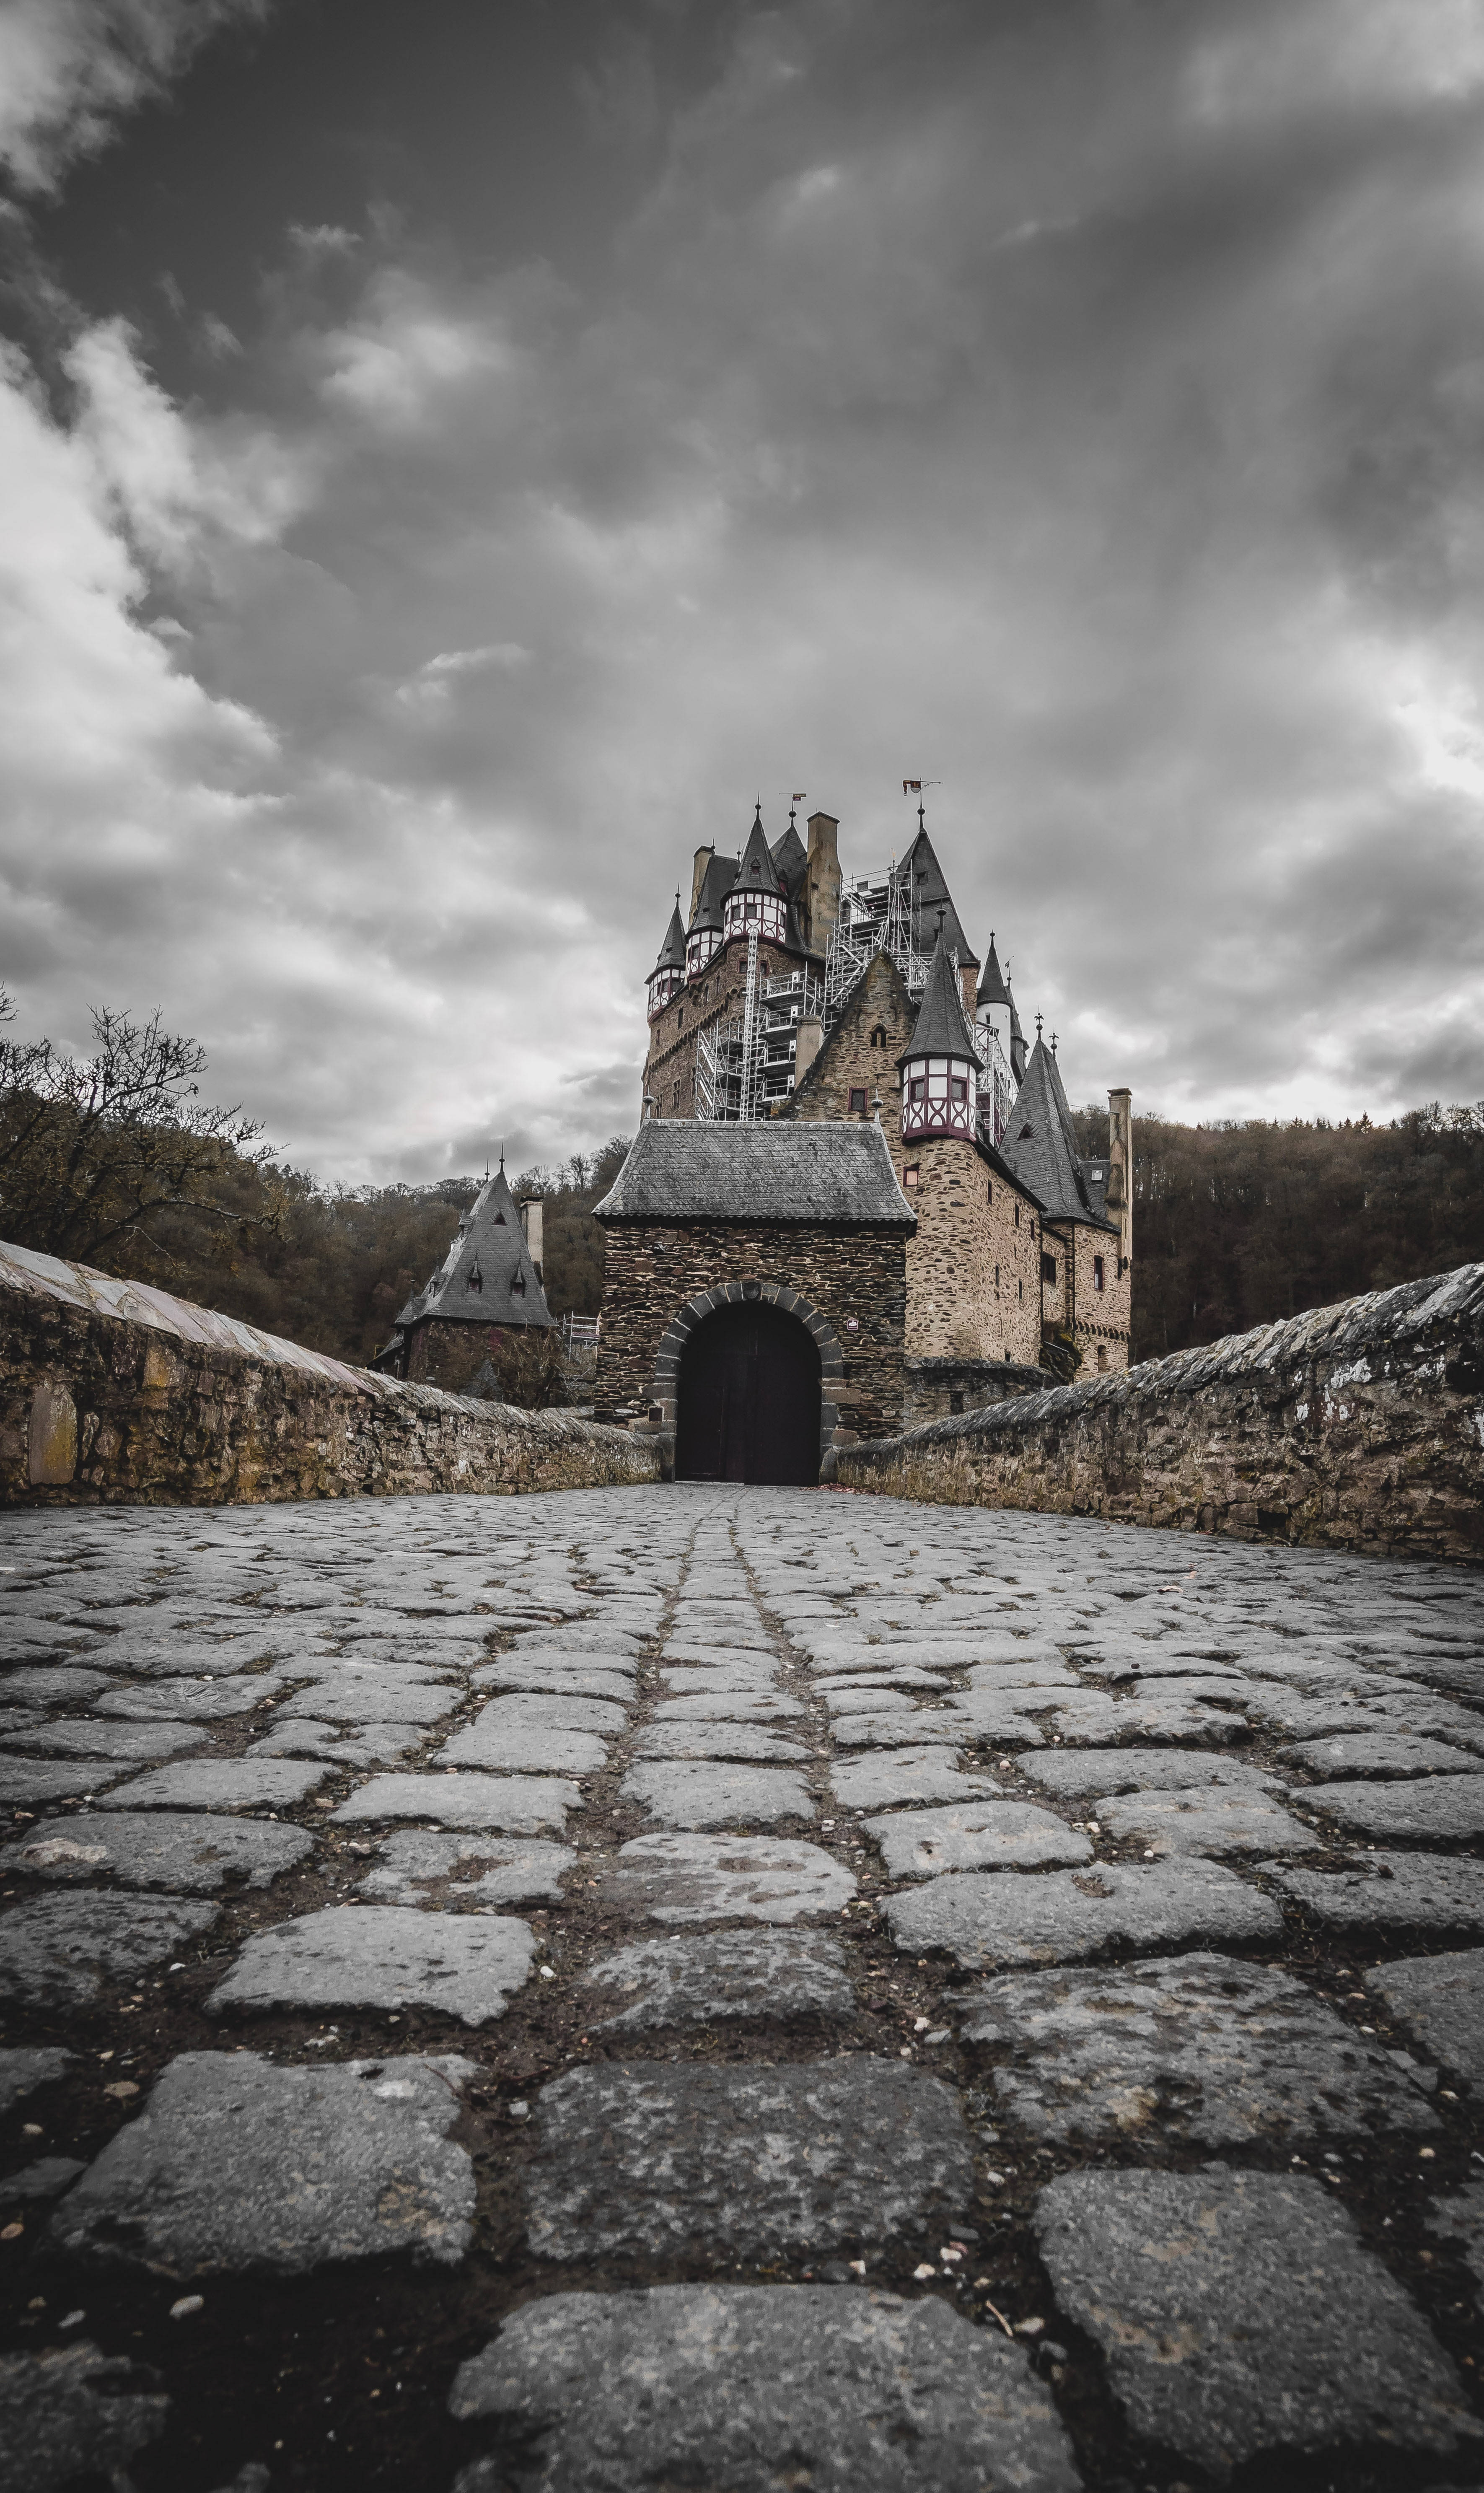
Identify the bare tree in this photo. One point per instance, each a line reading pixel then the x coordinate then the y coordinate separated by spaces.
pixel 93 1148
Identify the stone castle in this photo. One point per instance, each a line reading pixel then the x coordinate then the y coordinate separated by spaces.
pixel 844 1131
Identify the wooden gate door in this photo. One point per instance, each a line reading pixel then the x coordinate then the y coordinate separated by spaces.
pixel 749 1400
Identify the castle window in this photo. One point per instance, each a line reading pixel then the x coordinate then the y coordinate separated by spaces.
pixel 680 1019
pixel 956 1398
pixel 909 1175
pixel 857 1103
pixel 1016 1216
pixel 518 1286
pixel 996 1280
pixel 1102 1354
pixel 1047 1268
pixel 476 1276
pixel 989 1191
pixel 917 1090
pixel 958 1087
pixel 878 1037
pixel 499 1220
pixel 1097 1272
pixel 1020 1290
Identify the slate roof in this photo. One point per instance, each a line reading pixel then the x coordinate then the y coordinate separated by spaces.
pixel 791 861
pixel 941 1028
pixel 929 891
pixel 1016 1040
pixel 756 870
pixel 1041 1146
pixel 710 901
pixel 680 1169
pixel 474 1283
pixel 992 989
pixel 673 949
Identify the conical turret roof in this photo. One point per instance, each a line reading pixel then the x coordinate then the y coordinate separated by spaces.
pixel 941 1028
pixel 791 860
pixel 710 901
pixel 992 989
pixel 673 949
pixel 1041 1146
pixel 486 1277
pixel 757 871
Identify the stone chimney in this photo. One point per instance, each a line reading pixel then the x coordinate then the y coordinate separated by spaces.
pixel 1121 1171
pixel 821 884
pixel 703 860
pixel 532 1222
pixel 807 1046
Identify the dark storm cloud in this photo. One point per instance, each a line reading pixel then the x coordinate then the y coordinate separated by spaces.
pixel 1078 407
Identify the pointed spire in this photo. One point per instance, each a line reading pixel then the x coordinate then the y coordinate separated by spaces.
pixel 941 1030
pixel 672 954
pixel 992 989
pixel 487 1275
pixel 757 871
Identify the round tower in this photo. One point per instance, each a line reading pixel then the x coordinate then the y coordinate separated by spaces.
pixel 939 1069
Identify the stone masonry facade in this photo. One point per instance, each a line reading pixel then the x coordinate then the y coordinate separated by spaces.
pixel 1091 1297
pixel 848 1285
pixel 449 1355
pixel 1358 1426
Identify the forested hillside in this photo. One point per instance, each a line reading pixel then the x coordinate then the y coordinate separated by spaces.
pixel 1237 1224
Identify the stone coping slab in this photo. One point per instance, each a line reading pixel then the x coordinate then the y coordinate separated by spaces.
pixel 222 1783
pixel 1200 2051
pixel 237 2165
pixel 727 1879
pixel 977 1835
pixel 72 2413
pixel 637 2160
pixel 717 1795
pixel 468 1966
pixel 59 1951
pixel 192 1856
pixel 1060 1916
pixel 499 1804
pixel 1240 2317
pixel 757 2386
pixel 1440 2000
pixel 721 1977
pixel 477 1870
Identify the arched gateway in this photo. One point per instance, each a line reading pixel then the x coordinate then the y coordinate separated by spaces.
pixel 749 1400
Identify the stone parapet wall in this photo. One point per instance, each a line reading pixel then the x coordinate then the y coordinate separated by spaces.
pixel 939 1388
pixel 1355 1425
pixel 113 1393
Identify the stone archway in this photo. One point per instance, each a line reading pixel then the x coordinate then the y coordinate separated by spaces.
pixel 665 1393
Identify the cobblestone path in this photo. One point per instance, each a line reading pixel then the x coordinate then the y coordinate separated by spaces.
pixel 734 1990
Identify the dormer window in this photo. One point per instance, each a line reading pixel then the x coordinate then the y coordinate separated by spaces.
pixel 500 1222
pixel 518 1286
pixel 476 1276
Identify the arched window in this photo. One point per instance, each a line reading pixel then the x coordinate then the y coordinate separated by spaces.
pixel 878 1037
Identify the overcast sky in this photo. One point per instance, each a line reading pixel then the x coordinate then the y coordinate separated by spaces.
pixel 456 453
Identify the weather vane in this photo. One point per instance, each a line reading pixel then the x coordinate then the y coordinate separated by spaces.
pixel 914 788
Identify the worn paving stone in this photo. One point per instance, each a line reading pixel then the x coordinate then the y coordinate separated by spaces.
pixel 711 1707
pixel 1028 1671
pixel 502 1804
pixel 1112 1722
pixel 899 1727
pixel 190 1855
pixel 392 1699
pixel 187 1699
pixel 567 1713
pixel 30 1783
pixel 1062 1915
pixel 872 1700
pixel 51 1684
pixel 222 1783
pixel 978 1835
pixel 540 1679
pixel 858 1685
pixel 717 1795
pixel 1391 1755
pixel 755 2388
pixel 383 1956
pixel 1212 1822
pixel 1239 2317
pixel 25 2068
pixel 522 1748
pixel 750 1742
pixel 724 1879
pixel 1460 2220
pixel 728 1684
pixel 740 2158
pixel 722 1976
pixel 416 1864
pixel 1390 1891
pixel 1198 2050
pixel 237 2165
pixel 369 1744
pixel 897 1776
pixel 72 2413
pixel 123 1744
pixel 1089 1774
pixel 1444 1809
pixel 62 1951
pixel 994 1714
pixel 1440 2000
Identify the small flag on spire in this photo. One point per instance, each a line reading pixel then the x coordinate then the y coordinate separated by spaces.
pixel 911 787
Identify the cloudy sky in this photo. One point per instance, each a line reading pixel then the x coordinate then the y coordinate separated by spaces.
pixel 454 456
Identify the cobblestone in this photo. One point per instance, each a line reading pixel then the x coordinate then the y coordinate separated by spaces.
pixel 687 1943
